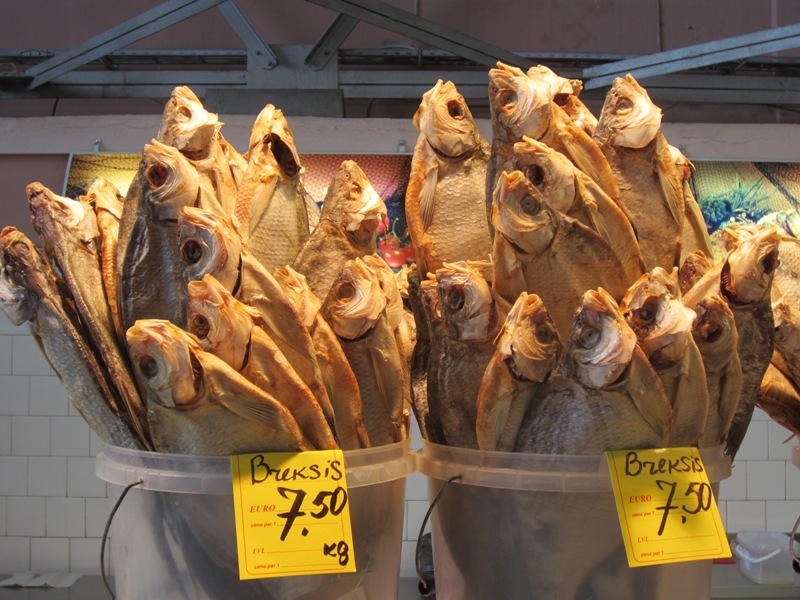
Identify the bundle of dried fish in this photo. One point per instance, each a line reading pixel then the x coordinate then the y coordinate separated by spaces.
pixel 663 327
pixel 522 104
pixel 540 251
pixel 228 329
pixel 30 292
pixel 272 203
pixel 340 380
pixel 198 404
pixel 347 229
pixel 445 201
pixel 606 395
pixel 744 281
pixel 464 316
pixel 355 308
pixel 527 351
pixel 68 230
pixel 714 332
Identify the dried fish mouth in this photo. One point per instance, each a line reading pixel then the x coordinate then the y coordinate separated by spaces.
pixel 284 155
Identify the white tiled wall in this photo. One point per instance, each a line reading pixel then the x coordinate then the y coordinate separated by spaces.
pixel 53 508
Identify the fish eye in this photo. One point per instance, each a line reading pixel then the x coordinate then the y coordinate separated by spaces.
pixel 711 332
pixel 530 206
pixel 623 106
pixel 156 175
pixel 647 313
pixel 454 298
pixel 589 338
pixel 455 109
pixel 770 262
pixel 346 291
pixel 192 251
pixel 200 326
pixel 184 113
pixel 148 366
pixel 561 99
pixel 544 334
pixel 506 98
pixel 535 175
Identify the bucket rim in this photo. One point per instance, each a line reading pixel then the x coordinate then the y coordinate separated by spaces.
pixel 537 472
pixel 181 473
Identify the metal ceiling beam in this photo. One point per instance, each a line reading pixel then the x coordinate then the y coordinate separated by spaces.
pixel 422 30
pixel 693 57
pixel 327 46
pixel 132 30
pixel 261 52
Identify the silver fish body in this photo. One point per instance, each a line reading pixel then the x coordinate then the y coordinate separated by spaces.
pixel 30 292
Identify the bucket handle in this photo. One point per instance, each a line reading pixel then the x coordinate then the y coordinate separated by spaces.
pixel 117 504
pixel 741 553
pixel 427 585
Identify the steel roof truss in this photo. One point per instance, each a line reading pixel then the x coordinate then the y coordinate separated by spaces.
pixel 422 30
pixel 122 35
pixel 692 57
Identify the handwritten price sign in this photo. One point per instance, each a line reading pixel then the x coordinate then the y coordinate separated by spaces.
pixel 292 514
pixel 666 506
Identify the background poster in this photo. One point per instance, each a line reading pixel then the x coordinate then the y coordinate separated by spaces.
pixel 729 193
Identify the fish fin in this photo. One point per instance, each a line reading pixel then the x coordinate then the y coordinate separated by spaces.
pixel 696 223
pixel 653 406
pixel 427 197
pixel 385 385
pixel 670 180
pixel 584 152
pixel 730 392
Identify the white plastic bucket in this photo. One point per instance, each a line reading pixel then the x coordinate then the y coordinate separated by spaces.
pixel 173 536
pixel 522 526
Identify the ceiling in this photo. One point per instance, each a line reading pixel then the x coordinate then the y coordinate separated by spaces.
pixel 323 77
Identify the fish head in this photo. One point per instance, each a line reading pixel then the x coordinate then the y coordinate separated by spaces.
pixel 386 278
pixel 299 293
pixel 550 172
pixel 49 210
pixel 733 234
pixel 271 134
pixel 628 118
pixel 209 245
pixel 15 299
pixel 445 120
pixel 748 270
pixel 168 181
pixel 162 356
pixel 601 343
pixel 185 123
pixel 465 302
pixel 714 328
pixel 221 323
pixel 787 326
pixel 659 319
pixel 353 204
pixel 520 215
pixel 355 302
pixel 529 340
pixel 103 195
pixel 519 105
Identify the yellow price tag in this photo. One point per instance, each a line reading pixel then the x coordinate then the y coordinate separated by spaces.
pixel 666 506
pixel 292 514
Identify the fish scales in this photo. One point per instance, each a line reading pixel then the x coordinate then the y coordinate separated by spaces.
pixel 271 201
pixel 347 228
pixel 445 202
